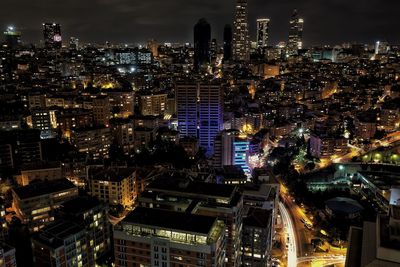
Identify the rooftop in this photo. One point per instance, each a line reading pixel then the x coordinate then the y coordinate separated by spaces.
pixel 54 234
pixel 171 220
pixel 343 205
pixel 259 218
pixel 79 205
pixel 113 175
pixel 170 184
pixel 43 188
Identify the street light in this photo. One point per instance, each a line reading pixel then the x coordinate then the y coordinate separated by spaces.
pixel 341 167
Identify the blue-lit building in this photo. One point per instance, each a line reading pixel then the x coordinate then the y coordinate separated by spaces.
pixel 200 112
pixel 241 154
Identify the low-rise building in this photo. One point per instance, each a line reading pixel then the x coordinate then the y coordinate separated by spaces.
pixel 36 203
pixel 115 186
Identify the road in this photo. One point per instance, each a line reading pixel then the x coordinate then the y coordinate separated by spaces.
pixel 291 236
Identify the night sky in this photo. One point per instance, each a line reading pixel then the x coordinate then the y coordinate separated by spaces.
pixel 326 21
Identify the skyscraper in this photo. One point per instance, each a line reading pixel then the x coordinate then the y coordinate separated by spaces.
pixel 262 33
pixel 227 42
pixel 295 33
pixel 52 35
pixel 202 37
pixel 200 112
pixel 241 42
pixel 12 37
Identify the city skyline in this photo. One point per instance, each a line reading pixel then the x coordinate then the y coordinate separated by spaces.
pixel 122 21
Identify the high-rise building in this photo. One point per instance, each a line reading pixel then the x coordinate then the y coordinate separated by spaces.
pixel 202 38
pixel 52 35
pixel 227 42
pixel 241 39
pixel 12 37
pixel 154 237
pixel 215 200
pixel 231 149
pixel 295 33
pixel 73 43
pixel 262 33
pixel 63 243
pixel 200 112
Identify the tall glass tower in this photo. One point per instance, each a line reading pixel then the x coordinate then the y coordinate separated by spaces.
pixel 241 39
pixel 202 38
pixel 52 35
pixel 262 33
pixel 295 33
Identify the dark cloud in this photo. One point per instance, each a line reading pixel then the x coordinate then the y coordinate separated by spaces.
pixel 326 21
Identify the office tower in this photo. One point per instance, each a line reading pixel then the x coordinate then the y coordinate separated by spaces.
pixel 295 33
pixel 12 37
pixel 154 237
pixel 381 47
pixel 262 33
pixel 73 43
pixel 213 49
pixel 200 112
pixel 227 42
pixel 216 200
pixel 186 108
pixel 52 35
pixel 241 41
pixel 36 203
pixel 231 149
pixel 202 38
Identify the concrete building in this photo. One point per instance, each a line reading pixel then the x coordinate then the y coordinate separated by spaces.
pixel 153 237
pixel 154 104
pixel 257 237
pixel 93 141
pixel 113 186
pixel 93 216
pixel 35 204
pixel 63 243
pixel 200 112
pixel 217 200
pixel 39 171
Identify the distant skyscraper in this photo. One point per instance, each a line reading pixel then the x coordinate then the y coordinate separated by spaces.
pixel 241 41
pixel 73 43
pixel 213 49
pixel 227 42
pixel 262 33
pixel 202 38
pixel 12 37
pixel 52 35
pixel 295 34
pixel 200 112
